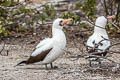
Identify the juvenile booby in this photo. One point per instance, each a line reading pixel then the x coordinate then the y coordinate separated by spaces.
pixel 49 49
pixel 96 42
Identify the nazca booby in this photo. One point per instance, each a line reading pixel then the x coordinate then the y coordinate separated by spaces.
pixel 49 49
pixel 96 43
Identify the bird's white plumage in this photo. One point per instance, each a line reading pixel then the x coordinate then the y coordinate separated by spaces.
pixel 97 39
pixel 99 34
pixel 42 46
pixel 43 42
pixel 57 43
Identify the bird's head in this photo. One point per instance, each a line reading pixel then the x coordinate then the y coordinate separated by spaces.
pixel 101 21
pixel 59 23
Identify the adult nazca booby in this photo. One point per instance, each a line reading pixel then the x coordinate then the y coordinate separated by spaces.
pixel 49 49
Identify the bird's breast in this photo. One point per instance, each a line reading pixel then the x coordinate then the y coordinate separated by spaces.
pixel 60 42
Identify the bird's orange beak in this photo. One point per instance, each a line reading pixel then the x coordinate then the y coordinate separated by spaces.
pixel 66 20
pixel 111 17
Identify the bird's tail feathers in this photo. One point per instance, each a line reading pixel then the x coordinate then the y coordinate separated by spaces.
pixel 22 62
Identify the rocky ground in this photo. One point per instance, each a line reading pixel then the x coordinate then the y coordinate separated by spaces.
pixel 69 68
pixel 20 46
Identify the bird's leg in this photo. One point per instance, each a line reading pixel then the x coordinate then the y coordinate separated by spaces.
pixel 99 64
pixel 90 63
pixel 46 66
pixel 51 65
pixel 7 52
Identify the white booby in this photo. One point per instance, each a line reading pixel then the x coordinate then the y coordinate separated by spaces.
pixel 49 49
pixel 96 42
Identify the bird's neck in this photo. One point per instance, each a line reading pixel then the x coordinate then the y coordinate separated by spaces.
pixel 100 30
pixel 57 32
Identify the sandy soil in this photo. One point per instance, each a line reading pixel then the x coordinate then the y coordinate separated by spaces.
pixel 68 68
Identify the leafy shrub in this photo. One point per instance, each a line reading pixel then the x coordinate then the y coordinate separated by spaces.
pixel 70 14
pixel 49 11
pixel 87 6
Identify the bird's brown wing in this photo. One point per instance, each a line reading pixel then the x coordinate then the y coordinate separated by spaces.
pixel 39 57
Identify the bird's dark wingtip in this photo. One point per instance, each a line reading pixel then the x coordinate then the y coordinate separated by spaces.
pixel 22 62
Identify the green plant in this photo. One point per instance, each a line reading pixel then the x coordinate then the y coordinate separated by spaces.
pixel 15 18
pixel 49 11
pixel 42 17
pixel 87 6
pixel 70 14
pixel 8 3
pixel 113 8
pixel 78 5
pixel 3 31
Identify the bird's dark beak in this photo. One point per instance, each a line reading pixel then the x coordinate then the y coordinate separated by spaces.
pixel 66 20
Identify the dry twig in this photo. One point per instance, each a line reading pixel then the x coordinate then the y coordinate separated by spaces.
pixel 93 23
pixel 3 47
pixel 85 54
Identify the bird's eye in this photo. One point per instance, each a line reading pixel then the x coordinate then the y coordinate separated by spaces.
pixel 60 23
